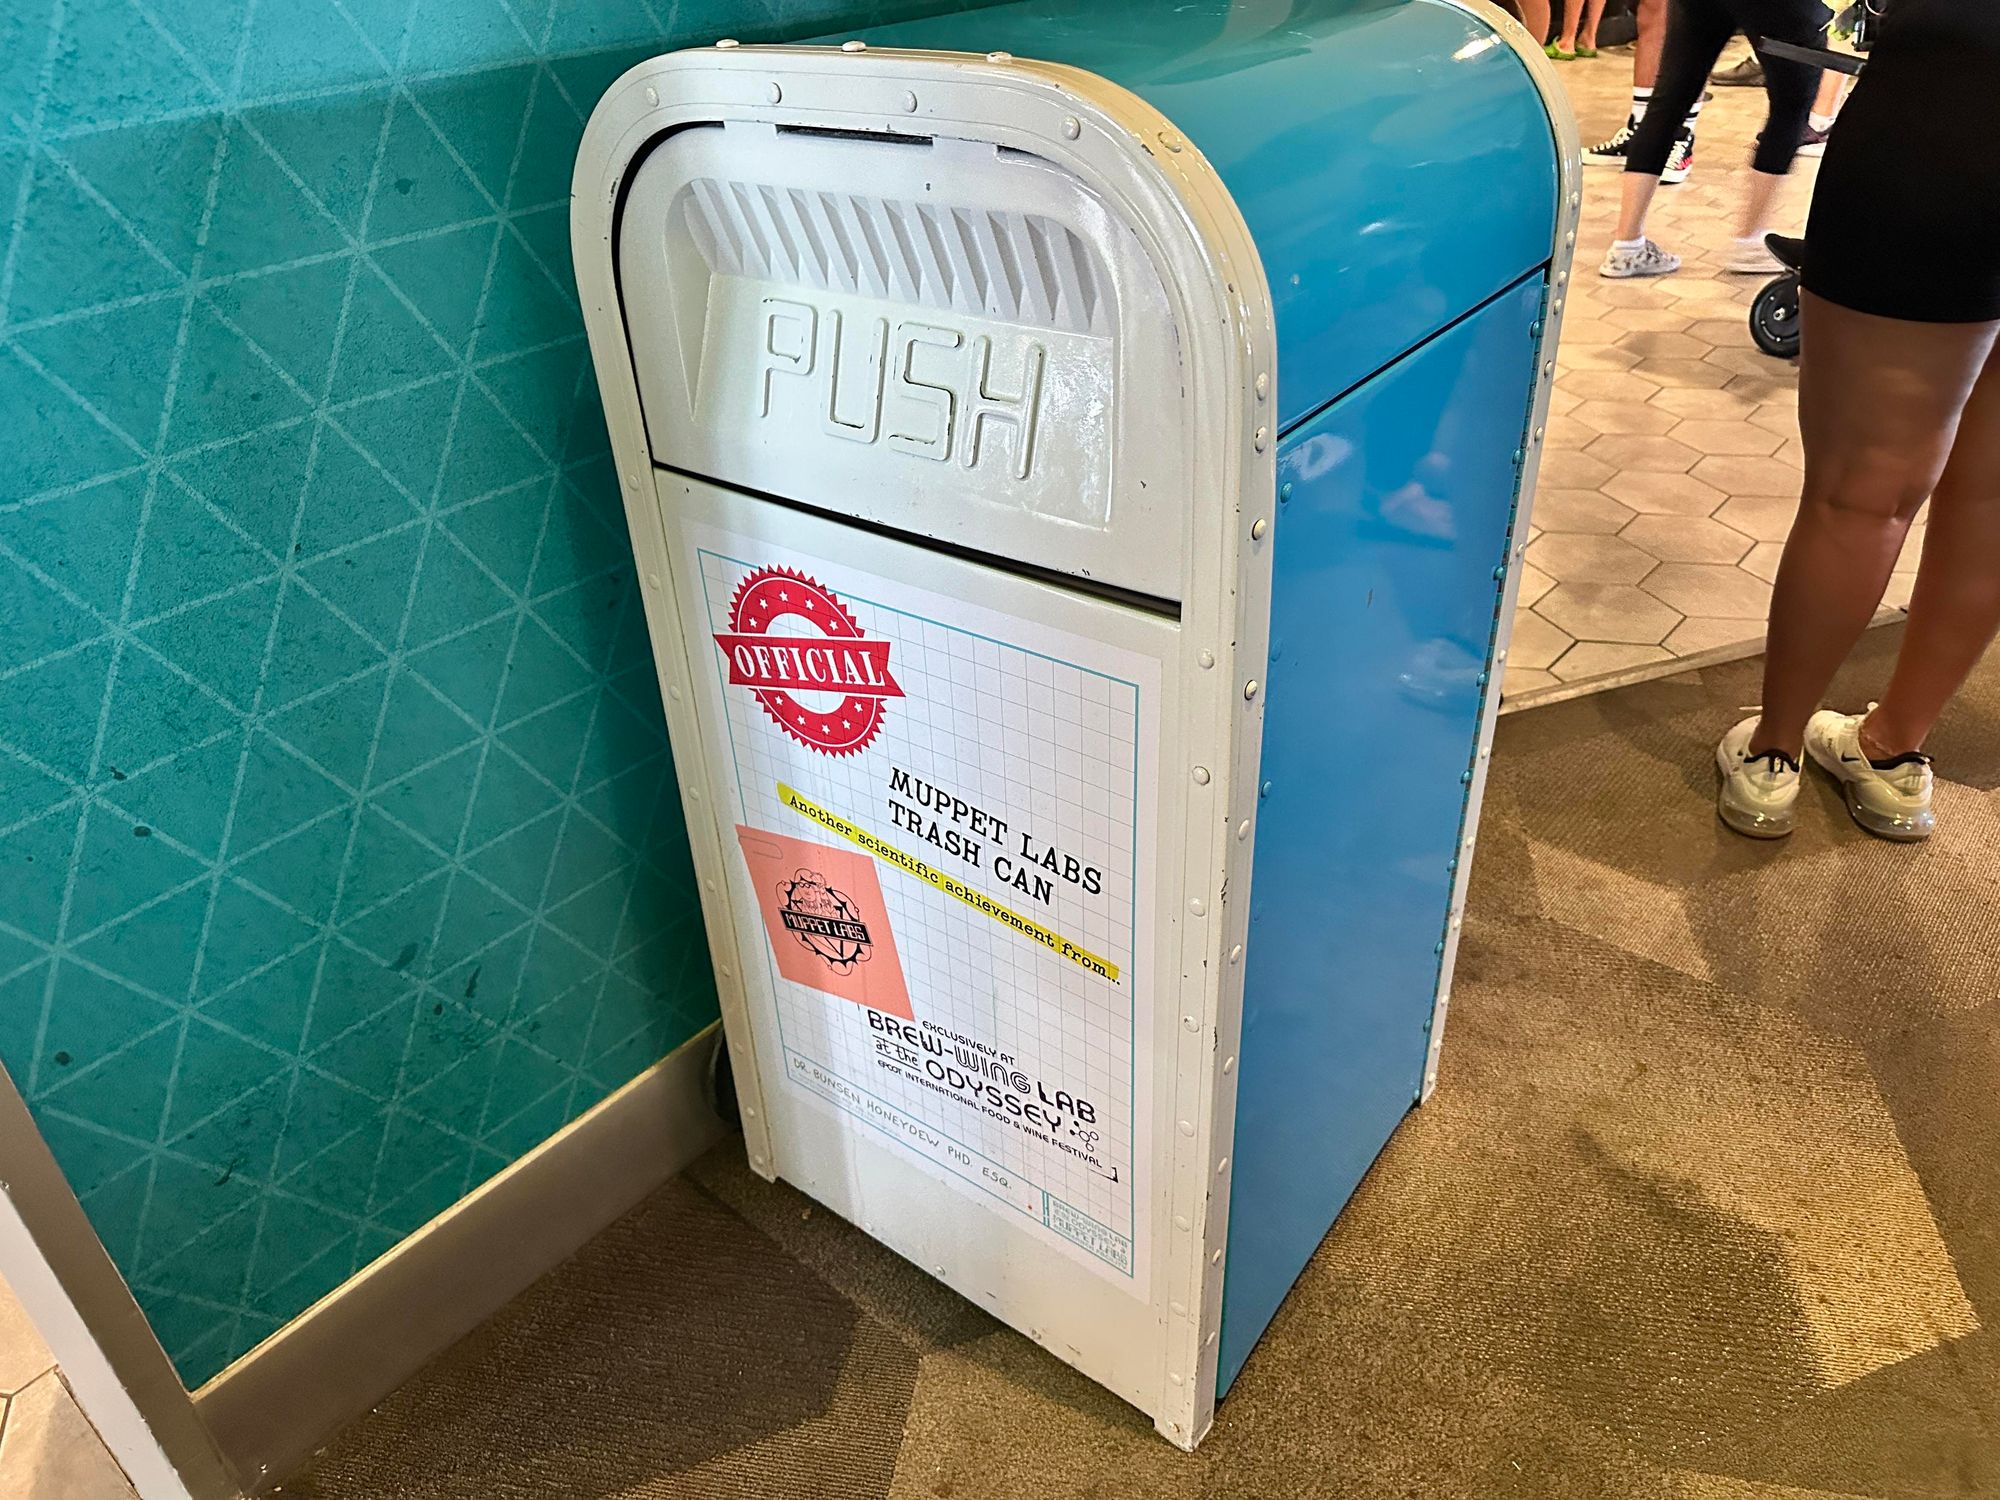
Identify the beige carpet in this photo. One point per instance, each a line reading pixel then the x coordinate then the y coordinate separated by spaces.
pixel 1706 1208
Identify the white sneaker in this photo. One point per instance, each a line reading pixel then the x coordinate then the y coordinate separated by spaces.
pixel 1889 798
pixel 1648 259
pixel 1752 257
pixel 1680 160
pixel 1760 794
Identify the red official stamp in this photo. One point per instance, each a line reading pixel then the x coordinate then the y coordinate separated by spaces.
pixel 795 646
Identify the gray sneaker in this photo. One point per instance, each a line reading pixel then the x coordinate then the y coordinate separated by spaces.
pixel 1749 73
pixel 1888 798
pixel 1648 259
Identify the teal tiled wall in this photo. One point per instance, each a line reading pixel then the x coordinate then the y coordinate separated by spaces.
pixel 339 857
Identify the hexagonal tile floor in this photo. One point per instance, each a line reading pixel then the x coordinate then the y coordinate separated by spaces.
pixel 1673 461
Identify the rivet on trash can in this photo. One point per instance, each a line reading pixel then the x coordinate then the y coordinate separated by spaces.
pixel 1465 776
pixel 775 94
pixel 1535 329
pixel 1187 1127
pixel 710 884
pixel 1250 689
pixel 1201 775
pixel 909 104
pixel 1222 1166
pixel 1215 1259
pixel 1072 127
pixel 1263 386
pixel 1181 1222
pixel 1519 454
pixel 1193 1023
pixel 694 794
pixel 999 57
pixel 1482 679
pixel 1179 1309
pixel 1198 906
pixel 1438 949
pixel 1500 657
pixel 674 692
pixel 1539 432
pixel 1171 141
pixel 1548 367
pixel 1229 1065
pixel 1206 657
pixel 853 46
pixel 727 42
pixel 1501 571
pixel 1264 790
pixel 631 481
pixel 1285 491
pixel 1236 954
pixel 756 1161
pixel 1174 1376
pixel 1243 830
pixel 1261 439
pixel 1209 1342
pixel 1257 529
pixel 652 580
pixel 727 973
pixel 652 94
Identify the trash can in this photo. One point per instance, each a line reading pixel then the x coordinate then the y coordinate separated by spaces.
pixel 1078 459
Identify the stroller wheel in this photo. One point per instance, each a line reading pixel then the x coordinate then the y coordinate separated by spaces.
pixel 1774 317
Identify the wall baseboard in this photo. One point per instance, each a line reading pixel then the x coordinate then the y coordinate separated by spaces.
pixel 76 1298
pixel 273 1408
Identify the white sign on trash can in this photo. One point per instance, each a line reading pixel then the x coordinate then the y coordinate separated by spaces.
pixel 946 817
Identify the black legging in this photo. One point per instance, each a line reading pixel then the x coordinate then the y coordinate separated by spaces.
pixel 1697 31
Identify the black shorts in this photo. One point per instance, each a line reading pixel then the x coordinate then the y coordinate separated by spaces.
pixel 1906 215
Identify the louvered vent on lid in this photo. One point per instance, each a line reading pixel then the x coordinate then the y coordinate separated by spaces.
pixel 1022 267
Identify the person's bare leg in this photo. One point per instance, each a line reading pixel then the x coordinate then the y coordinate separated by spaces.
pixel 1879 407
pixel 1635 199
pixel 1593 12
pixel 1758 197
pixel 1535 16
pixel 1572 19
pixel 1955 611
pixel 1832 88
pixel 1650 16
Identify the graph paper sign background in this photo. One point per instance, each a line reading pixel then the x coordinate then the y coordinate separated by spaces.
pixel 1008 815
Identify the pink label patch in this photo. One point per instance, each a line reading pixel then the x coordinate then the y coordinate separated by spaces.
pixel 824 914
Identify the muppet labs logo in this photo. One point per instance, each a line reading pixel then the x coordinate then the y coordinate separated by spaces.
pixel 824 920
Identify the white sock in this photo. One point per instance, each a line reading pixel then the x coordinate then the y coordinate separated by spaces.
pixel 1638 244
pixel 1693 115
pixel 1821 123
pixel 1640 99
